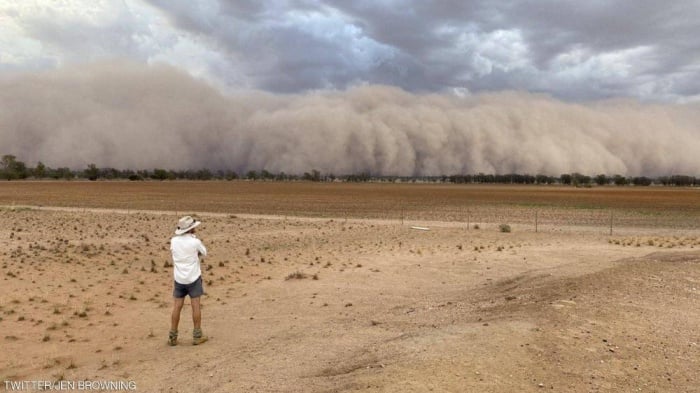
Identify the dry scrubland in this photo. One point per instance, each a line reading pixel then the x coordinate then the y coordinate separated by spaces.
pixel 349 298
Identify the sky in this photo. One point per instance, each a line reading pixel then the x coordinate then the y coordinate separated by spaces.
pixel 573 50
pixel 390 87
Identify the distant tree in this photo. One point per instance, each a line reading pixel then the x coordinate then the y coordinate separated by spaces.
pixel 204 174
pixel 251 175
pixel 39 171
pixel 565 178
pixel 230 175
pixel 20 170
pixel 362 177
pixel 126 173
pixel 11 168
pixel 682 180
pixel 578 179
pixel 92 172
pixel 483 178
pixel 544 179
pixel 601 180
pixel 109 173
pixel 515 178
pixel 620 180
pixel 641 181
pixel 159 174
pixel 7 164
pixel 62 173
pixel 313 176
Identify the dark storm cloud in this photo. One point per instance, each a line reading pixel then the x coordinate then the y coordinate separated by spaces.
pixel 578 50
pixel 292 46
pixel 573 49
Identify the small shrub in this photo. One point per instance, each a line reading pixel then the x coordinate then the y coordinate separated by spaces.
pixel 505 228
pixel 296 276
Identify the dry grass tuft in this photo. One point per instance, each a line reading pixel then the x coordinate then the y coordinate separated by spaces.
pixel 295 276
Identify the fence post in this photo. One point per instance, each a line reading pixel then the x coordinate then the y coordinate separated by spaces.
pixel 611 223
pixel 535 221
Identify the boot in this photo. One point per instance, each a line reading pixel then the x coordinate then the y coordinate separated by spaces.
pixel 198 337
pixel 172 338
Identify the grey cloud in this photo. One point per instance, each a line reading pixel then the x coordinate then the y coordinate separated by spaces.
pixel 73 39
pixel 420 45
pixel 571 49
pixel 292 48
pixel 127 115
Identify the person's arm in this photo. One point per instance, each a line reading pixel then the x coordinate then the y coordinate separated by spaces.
pixel 201 250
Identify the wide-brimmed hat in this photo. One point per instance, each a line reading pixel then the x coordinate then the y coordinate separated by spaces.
pixel 185 224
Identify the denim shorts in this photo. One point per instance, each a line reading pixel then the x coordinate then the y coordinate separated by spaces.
pixel 194 289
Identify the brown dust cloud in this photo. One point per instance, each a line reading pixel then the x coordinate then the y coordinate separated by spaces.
pixel 132 116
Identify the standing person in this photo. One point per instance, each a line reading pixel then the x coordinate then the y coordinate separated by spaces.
pixel 186 249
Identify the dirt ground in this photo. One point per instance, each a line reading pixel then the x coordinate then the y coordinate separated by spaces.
pixel 375 305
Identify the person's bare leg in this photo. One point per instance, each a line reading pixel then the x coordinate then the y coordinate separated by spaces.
pixel 175 320
pixel 197 336
pixel 177 308
pixel 196 313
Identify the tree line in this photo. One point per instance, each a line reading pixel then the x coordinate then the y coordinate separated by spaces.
pixel 13 169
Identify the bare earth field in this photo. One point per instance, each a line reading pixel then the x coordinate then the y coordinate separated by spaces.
pixel 377 306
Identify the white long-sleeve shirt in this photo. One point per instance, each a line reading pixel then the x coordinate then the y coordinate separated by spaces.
pixel 186 250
